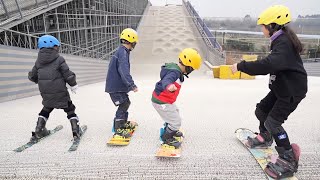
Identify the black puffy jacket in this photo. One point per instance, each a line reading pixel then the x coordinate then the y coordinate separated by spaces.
pixel 288 78
pixel 51 73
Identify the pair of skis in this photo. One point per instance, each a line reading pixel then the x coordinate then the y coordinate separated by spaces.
pixel 73 147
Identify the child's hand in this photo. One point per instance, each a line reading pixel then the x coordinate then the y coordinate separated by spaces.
pixel 135 89
pixel 74 89
pixel 172 88
pixel 234 68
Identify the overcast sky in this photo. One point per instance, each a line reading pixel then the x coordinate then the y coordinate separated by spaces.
pixel 239 8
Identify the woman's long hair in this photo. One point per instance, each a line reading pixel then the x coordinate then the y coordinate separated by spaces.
pixel 293 38
pixel 273 27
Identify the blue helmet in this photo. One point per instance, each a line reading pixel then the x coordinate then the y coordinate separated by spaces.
pixel 48 41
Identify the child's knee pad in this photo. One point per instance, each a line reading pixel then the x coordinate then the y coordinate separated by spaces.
pixel 70 109
pixel 273 126
pixel 262 116
pixel 45 112
pixel 125 105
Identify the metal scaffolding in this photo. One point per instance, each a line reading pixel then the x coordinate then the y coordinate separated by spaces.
pixel 87 28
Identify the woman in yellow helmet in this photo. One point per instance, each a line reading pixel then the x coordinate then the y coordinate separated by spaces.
pixel 119 83
pixel 288 86
pixel 167 90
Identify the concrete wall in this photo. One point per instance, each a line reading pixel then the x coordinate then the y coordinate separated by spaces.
pixel 15 63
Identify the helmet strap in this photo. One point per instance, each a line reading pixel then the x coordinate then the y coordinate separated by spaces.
pixel 133 45
pixel 188 69
pixel 56 48
pixel 123 41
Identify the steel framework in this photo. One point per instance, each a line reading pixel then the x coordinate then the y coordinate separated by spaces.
pixel 87 28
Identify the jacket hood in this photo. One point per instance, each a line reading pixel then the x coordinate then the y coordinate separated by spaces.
pixel 47 55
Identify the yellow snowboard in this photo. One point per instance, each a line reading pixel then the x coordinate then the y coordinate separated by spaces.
pixel 170 151
pixel 116 140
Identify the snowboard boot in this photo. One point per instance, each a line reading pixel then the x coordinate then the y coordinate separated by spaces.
pixel 262 140
pixel 122 133
pixel 172 138
pixel 130 127
pixel 76 130
pixel 178 134
pixel 41 130
pixel 286 164
pixel 122 129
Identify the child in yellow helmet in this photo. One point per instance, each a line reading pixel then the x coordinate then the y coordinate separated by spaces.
pixel 288 86
pixel 167 90
pixel 119 82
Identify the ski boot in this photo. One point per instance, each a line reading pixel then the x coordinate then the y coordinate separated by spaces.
pixel 262 140
pixel 76 130
pixel 286 164
pixel 170 137
pixel 41 130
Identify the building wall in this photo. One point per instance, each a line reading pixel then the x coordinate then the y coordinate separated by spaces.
pixel 15 63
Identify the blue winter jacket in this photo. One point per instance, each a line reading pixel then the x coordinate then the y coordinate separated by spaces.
pixel 118 77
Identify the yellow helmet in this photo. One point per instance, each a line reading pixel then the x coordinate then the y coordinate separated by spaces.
pixel 278 14
pixel 129 35
pixel 190 57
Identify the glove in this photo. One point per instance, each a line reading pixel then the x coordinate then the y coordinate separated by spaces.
pixel 74 89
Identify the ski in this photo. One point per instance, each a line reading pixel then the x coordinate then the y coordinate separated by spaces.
pixel 33 142
pixel 76 142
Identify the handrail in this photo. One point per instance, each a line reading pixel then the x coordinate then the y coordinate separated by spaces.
pixel 212 51
pixel 200 24
pixel 18 9
pixel 29 35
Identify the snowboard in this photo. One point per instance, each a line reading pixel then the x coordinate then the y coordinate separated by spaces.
pixel 33 142
pixel 169 151
pixel 121 141
pixel 76 142
pixel 262 156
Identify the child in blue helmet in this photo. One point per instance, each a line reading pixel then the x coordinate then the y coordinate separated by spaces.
pixel 51 73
